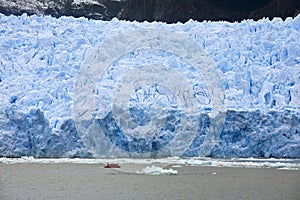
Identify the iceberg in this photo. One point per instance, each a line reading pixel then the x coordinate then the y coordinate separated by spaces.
pixel 153 170
pixel 85 88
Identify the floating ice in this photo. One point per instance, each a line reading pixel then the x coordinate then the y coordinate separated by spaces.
pixel 282 164
pixel 153 170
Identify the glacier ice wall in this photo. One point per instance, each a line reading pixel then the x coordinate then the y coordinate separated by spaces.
pixel 84 88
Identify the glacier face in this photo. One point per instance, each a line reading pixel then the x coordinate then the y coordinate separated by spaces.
pixel 83 88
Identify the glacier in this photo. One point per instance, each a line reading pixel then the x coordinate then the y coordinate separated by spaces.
pixel 73 87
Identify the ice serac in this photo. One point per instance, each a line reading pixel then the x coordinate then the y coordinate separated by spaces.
pixel 82 88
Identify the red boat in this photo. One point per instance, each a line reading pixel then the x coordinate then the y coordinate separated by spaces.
pixel 112 166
